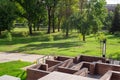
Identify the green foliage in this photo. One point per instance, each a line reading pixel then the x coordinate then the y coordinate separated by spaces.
pixel 101 36
pixel 117 33
pixel 97 14
pixel 80 36
pixel 108 21
pixel 116 20
pixel 51 38
pixel 68 11
pixel 33 11
pixel 22 75
pixel 8 13
pixel 25 34
pixel 8 36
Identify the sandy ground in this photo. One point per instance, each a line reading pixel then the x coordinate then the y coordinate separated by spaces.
pixel 6 57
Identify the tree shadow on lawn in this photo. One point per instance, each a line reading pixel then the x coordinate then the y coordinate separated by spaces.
pixel 115 56
pixel 113 37
pixel 58 45
pixel 27 40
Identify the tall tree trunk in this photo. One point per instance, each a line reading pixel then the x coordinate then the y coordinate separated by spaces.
pixel 81 3
pixel 84 39
pixel 30 28
pixel 53 23
pixel 53 15
pixel 59 22
pixel 49 20
pixel 34 27
pixel 67 31
pixel 68 13
pixel 58 26
pixel 38 28
pixel 0 32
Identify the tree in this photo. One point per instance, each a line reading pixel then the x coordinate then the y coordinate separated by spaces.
pixel 8 13
pixel 60 12
pixel 51 7
pixel 108 21
pixel 55 2
pixel 32 10
pixel 116 20
pixel 98 14
pixel 68 11
pixel 90 17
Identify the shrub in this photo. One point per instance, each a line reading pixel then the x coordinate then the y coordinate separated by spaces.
pixel 8 36
pixel 117 33
pixel 51 38
pixel 101 36
pixel 25 34
pixel 80 37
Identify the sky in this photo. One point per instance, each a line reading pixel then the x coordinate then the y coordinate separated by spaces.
pixel 113 1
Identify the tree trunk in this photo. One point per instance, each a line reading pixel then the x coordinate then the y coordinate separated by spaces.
pixel 67 32
pixel 84 39
pixel 0 32
pixel 53 19
pixel 34 27
pixel 59 21
pixel 49 20
pixel 38 28
pixel 30 28
pixel 53 23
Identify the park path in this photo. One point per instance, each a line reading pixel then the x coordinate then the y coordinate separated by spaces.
pixel 6 57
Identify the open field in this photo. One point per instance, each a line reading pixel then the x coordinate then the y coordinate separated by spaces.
pixel 13 68
pixel 39 44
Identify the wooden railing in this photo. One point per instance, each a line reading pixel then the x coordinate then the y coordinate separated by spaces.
pixel 114 62
pixel 42 59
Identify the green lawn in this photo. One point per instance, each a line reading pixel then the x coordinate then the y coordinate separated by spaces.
pixel 39 44
pixel 13 68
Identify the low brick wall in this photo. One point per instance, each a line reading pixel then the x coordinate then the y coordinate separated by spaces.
pixel 102 68
pixel 91 59
pixel 67 63
pixel 79 65
pixel 66 70
pixel 115 76
pixel 34 74
pixel 82 72
pixel 61 58
pixel 52 62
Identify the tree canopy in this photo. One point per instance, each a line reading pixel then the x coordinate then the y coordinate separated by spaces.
pixel 8 13
pixel 116 20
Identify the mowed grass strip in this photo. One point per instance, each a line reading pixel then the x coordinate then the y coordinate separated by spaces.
pixel 39 43
pixel 12 68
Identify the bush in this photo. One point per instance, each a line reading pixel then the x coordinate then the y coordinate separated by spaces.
pixel 101 36
pixel 117 33
pixel 25 34
pixel 80 36
pixel 8 36
pixel 51 38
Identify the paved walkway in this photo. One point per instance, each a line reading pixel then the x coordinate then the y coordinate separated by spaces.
pixel 6 57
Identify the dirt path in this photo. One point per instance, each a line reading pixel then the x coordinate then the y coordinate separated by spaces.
pixel 6 57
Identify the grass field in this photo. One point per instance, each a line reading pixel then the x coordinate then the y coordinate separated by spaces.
pixel 13 68
pixel 39 44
